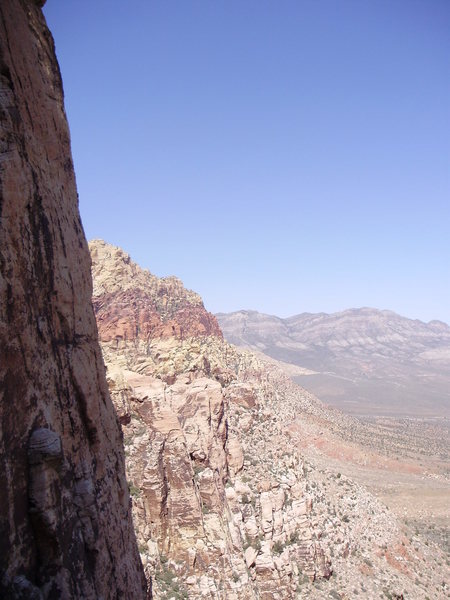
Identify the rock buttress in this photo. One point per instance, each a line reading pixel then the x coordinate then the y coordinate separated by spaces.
pixel 65 520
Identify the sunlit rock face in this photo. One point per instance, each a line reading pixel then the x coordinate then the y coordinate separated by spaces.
pixel 202 442
pixel 132 304
pixel 233 469
pixel 65 518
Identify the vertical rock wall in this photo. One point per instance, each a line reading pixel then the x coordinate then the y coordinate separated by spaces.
pixel 65 521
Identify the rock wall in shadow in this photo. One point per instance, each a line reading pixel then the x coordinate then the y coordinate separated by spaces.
pixel 65 519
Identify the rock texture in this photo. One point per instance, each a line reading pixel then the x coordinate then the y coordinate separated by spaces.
pixel 365 361
pixel 65 518
pixel 196 513
pixel 230 466
pixel 136 305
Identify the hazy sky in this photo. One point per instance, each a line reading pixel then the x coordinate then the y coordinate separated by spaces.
pixel 284 156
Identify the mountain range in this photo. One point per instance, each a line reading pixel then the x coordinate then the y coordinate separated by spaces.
pixel 366 361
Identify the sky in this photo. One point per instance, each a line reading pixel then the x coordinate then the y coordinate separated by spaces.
pixel 284 156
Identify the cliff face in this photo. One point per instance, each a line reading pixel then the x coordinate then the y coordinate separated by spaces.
pixel 132 304
pixel 65 519
pixel 210 521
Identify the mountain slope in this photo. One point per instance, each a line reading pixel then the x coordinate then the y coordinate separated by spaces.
pixel 131 303
pixel 366 361
pixel 228 463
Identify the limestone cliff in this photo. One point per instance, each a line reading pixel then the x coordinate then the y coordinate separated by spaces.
pixel 365 361
pixel 65 519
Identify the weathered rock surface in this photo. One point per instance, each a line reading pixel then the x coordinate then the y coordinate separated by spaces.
pixel 136 305
pixel 179 399
pixel 65 518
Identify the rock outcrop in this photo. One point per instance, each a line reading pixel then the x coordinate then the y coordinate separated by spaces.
pixel 133 304
pixel 65 518
pixel 204 526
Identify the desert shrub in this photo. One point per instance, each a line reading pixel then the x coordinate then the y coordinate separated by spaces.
pixel 294 538
pixel 134 491
pixel 169 584
pixel 277 547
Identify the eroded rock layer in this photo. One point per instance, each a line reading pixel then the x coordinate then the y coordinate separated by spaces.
pixel 132 304
pixel 65 519
pixel 205 527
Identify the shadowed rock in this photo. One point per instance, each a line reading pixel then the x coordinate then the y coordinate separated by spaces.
pixel 65 522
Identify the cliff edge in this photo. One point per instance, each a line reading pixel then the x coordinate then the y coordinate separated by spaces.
pixel 65 519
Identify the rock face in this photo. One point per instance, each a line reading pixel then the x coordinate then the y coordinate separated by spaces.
pixel 365 361
pixel 133 304
pixel 65 518
pixel 199 507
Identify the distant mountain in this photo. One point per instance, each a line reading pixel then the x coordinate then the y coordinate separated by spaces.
pixel 367 361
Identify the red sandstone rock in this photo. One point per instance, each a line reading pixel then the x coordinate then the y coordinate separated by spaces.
pixel 132 304
pixel 190 405
pixel 65 519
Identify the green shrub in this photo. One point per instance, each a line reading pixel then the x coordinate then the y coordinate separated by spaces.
pixel 134 491
pixel 294 538
pixel 277 547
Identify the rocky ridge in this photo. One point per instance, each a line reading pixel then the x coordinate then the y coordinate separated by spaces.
pixel 226 503
pixel 365 361
pixel 144 307
pixel 65 518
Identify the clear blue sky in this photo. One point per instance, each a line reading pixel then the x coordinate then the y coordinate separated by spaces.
pixel 281 156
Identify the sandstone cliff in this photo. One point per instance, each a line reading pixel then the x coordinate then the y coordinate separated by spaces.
pixel 133 304
pixel 231 498
pixel 65 518
pixel 201 529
